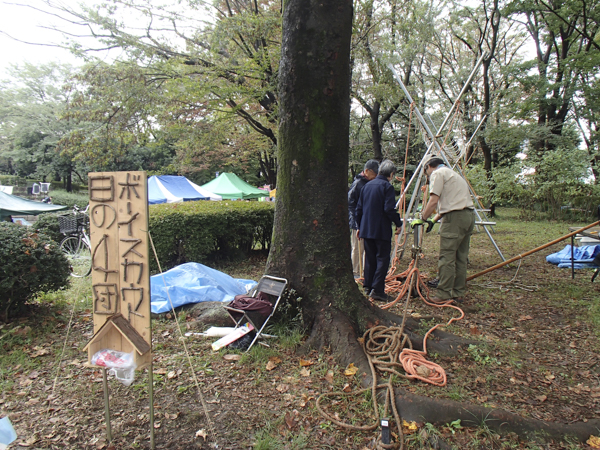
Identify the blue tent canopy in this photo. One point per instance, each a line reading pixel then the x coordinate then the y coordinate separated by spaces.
pixel 176 189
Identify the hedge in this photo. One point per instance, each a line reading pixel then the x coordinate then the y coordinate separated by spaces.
pixel 205 231
pixel 31 263
pixel 60 197
pixel 48 224
pixel 201 231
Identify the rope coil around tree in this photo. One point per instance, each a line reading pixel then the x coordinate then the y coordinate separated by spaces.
pixel 393 339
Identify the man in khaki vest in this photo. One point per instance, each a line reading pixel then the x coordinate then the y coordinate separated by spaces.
pixel 450 194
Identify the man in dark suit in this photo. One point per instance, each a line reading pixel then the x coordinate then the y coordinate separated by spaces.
pixel 375 212
pixel 369 173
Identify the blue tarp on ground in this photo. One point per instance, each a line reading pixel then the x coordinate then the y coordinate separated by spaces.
pixel 193 283
pixel 583 257
pixel 176 189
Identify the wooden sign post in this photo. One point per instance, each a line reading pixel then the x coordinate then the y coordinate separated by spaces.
pixel 120 271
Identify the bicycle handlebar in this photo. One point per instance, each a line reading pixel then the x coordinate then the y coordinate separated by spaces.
pixel 78 209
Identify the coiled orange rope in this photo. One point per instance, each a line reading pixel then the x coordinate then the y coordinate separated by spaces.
pixel 414 363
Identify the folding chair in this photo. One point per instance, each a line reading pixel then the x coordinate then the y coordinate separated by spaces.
pixel 274 288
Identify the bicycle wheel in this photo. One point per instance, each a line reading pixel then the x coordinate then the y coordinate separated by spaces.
pixel 79 255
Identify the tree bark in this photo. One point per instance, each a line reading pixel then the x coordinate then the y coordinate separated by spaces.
pixel 311 238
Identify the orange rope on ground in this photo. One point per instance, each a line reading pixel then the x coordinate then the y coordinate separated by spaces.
pixel 414 363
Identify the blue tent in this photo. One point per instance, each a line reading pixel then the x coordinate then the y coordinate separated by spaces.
pixel 176 189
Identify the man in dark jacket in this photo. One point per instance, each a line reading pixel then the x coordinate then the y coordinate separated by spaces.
pixel 375 213
pixel 368 174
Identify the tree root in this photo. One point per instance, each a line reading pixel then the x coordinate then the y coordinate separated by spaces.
pixel 341 336
pixel 337 332
pixel 439 342
pixel 441 411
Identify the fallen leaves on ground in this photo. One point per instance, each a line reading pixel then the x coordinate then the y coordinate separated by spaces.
pixel 350 370
pixel 594 441
pixel 274 361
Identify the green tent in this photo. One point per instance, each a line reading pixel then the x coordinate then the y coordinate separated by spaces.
pixel 11 205
pixel 230 186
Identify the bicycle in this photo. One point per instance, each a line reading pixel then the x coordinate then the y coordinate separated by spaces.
pixel 76 246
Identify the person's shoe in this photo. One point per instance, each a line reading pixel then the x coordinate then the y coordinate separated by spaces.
pixel 433 283
pixel 381 296
pixel 367 290
pixel 438 300
pixel 459 300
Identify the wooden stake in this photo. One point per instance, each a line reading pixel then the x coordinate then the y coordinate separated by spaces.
pixel 497 266
pixel 106 406
pixel 151 395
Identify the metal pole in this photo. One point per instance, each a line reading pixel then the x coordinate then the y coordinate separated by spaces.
pixel 422 120
pixel 417 171
pixel 472 137
pixel 415 194
pixel 572 257
pixel 434 139
pixel 447 118
pixel 106 405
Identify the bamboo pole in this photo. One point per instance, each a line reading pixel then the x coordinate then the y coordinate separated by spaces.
pixel 497 266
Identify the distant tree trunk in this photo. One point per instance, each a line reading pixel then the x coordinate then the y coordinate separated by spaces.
pixel 268 168
pixel 485 148
pixel 375 131
pixel 68 181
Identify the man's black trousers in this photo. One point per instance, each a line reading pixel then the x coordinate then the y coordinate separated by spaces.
pixel 377 261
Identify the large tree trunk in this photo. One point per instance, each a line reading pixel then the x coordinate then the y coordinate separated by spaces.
pixel 311 238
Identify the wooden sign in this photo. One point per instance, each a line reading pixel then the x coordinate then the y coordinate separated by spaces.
pixel 120 274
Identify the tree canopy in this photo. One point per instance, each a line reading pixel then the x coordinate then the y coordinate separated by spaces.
pixel 194 88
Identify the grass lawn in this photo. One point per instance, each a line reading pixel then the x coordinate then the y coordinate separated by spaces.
pixel 535 353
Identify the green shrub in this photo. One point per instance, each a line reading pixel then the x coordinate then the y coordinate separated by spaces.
pixel 31 263
pixel 12 180
pixel 48 224
pixel 70 198
pixel 203 231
